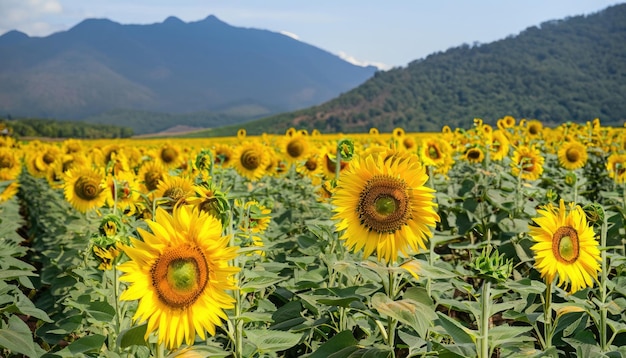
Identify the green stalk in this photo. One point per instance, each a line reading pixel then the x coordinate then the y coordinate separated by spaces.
pixel 547 314
pixel 338 162
pixel 484 320
pixel 391 322
pixel 604 279
pixel 118 314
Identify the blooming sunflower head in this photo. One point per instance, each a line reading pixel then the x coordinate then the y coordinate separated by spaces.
pixel 499 145
pixel 295 147
pixel 565 246
pixel 383 206
pixel 84 188
pixel 616 166
pixel 251 160
pixel 175 189
pixel 474 155
pixel 572 155
pixel 10 166
pixel 149 175
pixel 527 162
pixel 180 273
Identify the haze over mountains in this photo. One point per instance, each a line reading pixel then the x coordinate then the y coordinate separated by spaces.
pixel 173 67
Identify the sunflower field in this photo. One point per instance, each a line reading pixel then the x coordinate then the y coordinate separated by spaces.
pixel 504 241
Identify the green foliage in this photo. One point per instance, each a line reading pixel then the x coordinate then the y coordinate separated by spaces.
pixel 34 127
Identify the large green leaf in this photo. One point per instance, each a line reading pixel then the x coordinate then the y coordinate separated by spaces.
pixel 17 338
pixel 415 314
pixel 272 341
pixel 341 340
pixel 458 332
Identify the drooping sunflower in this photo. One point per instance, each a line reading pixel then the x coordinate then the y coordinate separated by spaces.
pixel 499 145
pixel 565 246
pixel 383 205
pixel 180 274
pixel 250 160
pixel 527 162
pixel 616 166
pixel 84 188
pixel 572 155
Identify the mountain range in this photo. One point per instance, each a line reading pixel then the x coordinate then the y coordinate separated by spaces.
pixel 572 69
pixel 101 70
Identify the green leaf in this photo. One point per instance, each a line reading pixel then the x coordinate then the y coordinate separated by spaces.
pixel 17 338
pixel 341 340
pixel 503 334
pixel 133 337
pixel 459 334
pixel 272 341
pixel 412 313
pixel 101 311
pixel 87 344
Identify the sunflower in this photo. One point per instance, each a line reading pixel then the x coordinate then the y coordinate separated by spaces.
pixel 433 152
pixel 84 188
pixel 123 191
pixel 572 155
pixel 565 245
pixel 506 122
pixel 383 205
pixel 534 128
pixel 499 145
pixel 295 147
pixel 527 162
pixel 327 162
pixel 149 175
pixel 616 166
pixel 474 155
pixel 223 155
pixel 250 160
pixel 10 166
pixel 180 274
pixel 170 156
pixel 175 189
pixel 9 191
pixel 257 217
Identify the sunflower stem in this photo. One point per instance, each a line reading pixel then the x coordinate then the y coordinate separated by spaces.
pixel 338 162
pixel 547 314
pixel 604 278
pixel 484 320
pixel 118 315
pixel 391 322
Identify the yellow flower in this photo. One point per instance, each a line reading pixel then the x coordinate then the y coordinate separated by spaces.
pixel 123 191
pixel 327 162
pixel 527 162
pixel 295 147
pixel 10 166
pixel 572 155
pixel 106 256
pixel 616 166
pixel 9 191
pixel 222 155
pixel 251 159
pixel 565 246
pixel 84 188
pixel 180 275
pixel 176 189
pixel 170 156
pixel 499 145
pixel 534 128
pixel 434 151
pixel 256 217
pixel 149 175
pixel 474 155
pixel 383 205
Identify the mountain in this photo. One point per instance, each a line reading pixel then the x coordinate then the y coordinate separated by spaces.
pixel 100 66
pixel 564 70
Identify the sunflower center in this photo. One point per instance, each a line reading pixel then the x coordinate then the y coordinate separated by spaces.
pixel 295 148
pixel 168 155
pixel 384 204
pixel 533 129
pixel 565 244
pixel 250 160
pixel 528 164
pixel 311 164
pixel 86 188
pixel 433 152
pixel 151 178
pixel 409 143
pixel 331 166
pixel 174 193
pixel 180 275
pixel 473 154
pixel 48 158
pixel 6 162
pixel 572 155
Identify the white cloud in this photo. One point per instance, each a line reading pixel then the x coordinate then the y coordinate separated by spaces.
pixel 28 15
pixel 290 34
pixel 353 60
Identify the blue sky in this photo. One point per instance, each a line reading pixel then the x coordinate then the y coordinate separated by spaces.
pixel 384 33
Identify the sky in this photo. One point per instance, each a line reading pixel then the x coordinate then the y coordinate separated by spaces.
pixel 382 33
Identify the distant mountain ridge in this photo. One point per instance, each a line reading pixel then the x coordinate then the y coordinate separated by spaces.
pixel 572 69
pixel 174 67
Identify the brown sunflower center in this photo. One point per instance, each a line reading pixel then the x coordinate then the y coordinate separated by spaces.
pixel 250 159
pixel 533 129
pixel 409 143
pixel 311 164
pixel 169 155
pixel 565 244
pixel 180 275
pixel 151 178
pixel 331 166
pixel 384 204
pixel 48 158
pixel 295 148
pixel 572 155
pixel 87 188
pixel 6 161
pixel 528 164
pixel 473 154
pixel 175 193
